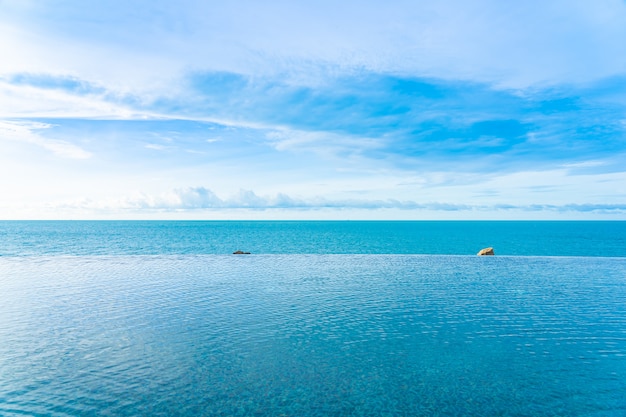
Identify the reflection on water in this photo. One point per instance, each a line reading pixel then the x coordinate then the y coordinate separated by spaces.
pixel 312 335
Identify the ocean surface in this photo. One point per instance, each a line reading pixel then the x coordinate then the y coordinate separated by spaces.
pixel 322 319
pixel 517 238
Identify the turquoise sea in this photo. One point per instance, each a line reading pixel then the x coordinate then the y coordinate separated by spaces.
pixel 322 319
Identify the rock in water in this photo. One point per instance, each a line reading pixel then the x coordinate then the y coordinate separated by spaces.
pixel 240 252
pixel 486 251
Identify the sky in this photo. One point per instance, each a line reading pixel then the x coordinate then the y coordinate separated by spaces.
pixel 407 110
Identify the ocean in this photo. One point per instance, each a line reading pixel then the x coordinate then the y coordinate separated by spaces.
pixel 515 238
pixel 321 319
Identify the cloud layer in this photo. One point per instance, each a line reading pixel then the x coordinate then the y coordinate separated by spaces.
pixel 446 106
pixel 203 199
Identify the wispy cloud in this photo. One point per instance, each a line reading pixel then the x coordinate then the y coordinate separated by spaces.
pixel 50 96
pixel 28 132
pixel 485 40
pixel 457 103
pixel 401 120
pixel 201 199
pixel 69 84
pixel 418 120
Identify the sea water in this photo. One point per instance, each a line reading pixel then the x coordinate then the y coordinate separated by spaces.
pixel 520 238
pixel 322 319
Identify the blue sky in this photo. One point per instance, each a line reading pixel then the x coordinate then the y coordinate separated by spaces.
pixel 313 110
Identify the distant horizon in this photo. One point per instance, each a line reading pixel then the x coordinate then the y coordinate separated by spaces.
pixel 324 111
pixel 316 220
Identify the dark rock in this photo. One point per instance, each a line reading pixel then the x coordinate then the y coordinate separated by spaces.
pixel 240 252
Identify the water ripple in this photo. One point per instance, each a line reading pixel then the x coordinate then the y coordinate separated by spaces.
pixel 311 335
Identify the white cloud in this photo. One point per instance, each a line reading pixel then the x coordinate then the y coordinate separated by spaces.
pixel 327 144
pixel 201 199
pixel 27 132
pixel 513 44
pixel 32 46
pixel 517 44
pixel 585 164
pixel 24 101
pixel 142 61
pixel 155 147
